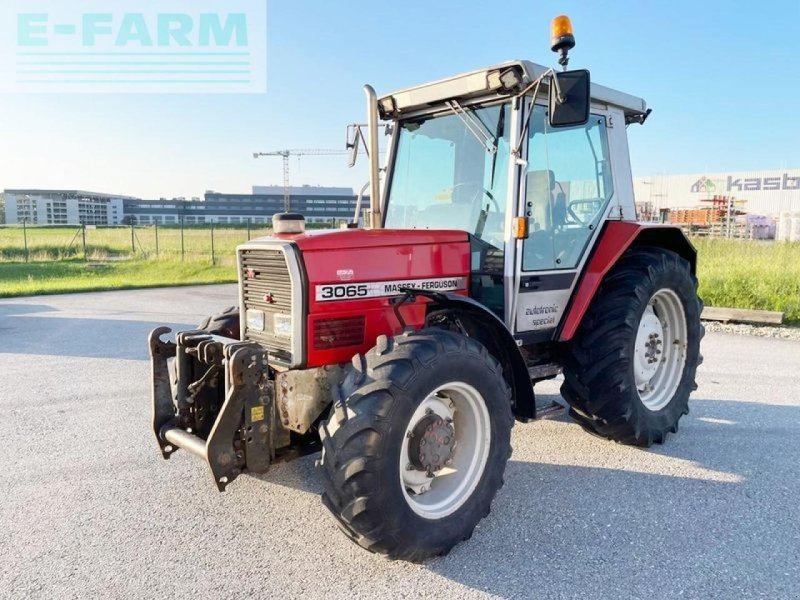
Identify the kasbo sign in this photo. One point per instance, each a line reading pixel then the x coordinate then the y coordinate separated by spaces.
pixel 748 184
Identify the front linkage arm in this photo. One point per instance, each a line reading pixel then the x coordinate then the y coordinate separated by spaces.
pixel 241 437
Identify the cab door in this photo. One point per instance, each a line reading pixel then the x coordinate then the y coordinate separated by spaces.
pixel 566 189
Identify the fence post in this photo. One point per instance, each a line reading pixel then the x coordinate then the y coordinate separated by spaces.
pixel 213 256
pixel 25 236
pixel 182 247
pixel 156 224
pixel 83 236
pixel 248 229
pixel 133 241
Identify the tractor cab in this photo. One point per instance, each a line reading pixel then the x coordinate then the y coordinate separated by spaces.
pixel 528 161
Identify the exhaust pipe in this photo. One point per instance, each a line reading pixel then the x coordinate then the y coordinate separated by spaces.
pixel 374 166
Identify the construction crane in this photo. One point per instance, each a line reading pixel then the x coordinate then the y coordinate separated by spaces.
pixel 286 154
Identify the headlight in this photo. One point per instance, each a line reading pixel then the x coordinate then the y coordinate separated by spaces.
pixel 255 319
pixel 282 325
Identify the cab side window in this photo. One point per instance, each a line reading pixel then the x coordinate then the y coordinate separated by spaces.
pixel 568 186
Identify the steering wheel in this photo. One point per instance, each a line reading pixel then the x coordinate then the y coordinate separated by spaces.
pixel 479 191
pixel 594 201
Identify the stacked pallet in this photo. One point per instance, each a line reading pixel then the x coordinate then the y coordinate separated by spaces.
pixel 696 216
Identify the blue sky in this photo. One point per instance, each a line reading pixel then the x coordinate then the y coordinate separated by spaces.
pixel 721 78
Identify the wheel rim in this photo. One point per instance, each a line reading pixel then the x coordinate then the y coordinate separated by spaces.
pixel 441 490
pixel 660 349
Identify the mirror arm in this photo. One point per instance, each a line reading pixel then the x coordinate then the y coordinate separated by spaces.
pixel 535 85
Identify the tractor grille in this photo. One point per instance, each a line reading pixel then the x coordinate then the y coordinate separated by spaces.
pixel 267 287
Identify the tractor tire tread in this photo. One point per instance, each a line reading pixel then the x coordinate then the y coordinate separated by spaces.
pixel 354 438
pixel 598 384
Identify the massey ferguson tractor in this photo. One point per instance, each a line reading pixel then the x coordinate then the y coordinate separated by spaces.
pixel 500 249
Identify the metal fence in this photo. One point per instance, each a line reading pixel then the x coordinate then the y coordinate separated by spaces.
pixel 210 242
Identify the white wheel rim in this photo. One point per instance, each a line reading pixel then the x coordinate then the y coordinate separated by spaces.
pixel 660 349
pixel 441 495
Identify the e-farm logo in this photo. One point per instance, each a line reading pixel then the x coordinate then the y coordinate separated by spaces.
pixel 183 46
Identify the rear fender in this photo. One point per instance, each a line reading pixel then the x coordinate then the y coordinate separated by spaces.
pixel 615 239
pixel 483 325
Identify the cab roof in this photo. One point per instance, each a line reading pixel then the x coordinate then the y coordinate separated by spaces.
pixel 489 81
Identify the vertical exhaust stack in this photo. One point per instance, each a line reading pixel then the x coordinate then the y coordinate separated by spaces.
pixel 374 167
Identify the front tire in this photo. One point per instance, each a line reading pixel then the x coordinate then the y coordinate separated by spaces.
pixel 415 450
pixel 630 368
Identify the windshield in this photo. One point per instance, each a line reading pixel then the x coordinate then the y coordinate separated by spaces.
pixel 444 176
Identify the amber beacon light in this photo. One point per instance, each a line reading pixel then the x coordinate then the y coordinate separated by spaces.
pixel 562 39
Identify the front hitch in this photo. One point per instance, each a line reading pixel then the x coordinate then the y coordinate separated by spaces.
pixel 219 405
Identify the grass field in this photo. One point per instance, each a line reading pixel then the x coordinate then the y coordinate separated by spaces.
pixel 20 279
pixel 115 260
pixel 758 275
pixel 59 243
pixel 735 274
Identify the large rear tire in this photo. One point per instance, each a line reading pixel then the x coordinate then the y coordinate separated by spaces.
pixel 415 450
pixel 630 368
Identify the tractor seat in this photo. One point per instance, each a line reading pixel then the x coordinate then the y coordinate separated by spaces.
pixel 539 199
pixel 538 248
pixel 546 206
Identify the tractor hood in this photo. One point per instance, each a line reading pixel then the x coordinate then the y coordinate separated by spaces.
pixel 343 239
pixel 345 281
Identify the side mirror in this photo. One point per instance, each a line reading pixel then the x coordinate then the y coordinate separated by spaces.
pixel 570 96
pixel 354 137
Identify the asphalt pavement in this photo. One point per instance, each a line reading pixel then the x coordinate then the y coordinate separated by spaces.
pixel 89 509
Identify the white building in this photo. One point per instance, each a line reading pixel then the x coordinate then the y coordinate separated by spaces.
pixel 62 207
pixel 757 192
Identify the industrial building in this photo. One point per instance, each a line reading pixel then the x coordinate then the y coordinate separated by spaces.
pixel 769 193
pixel 745 204
pixel 332 205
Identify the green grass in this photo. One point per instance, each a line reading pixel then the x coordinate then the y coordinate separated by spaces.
pixel 66 242
pixel 20 279
pixel 56 258
pixel 757 275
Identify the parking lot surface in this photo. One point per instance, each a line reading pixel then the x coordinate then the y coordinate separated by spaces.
pixel 89 509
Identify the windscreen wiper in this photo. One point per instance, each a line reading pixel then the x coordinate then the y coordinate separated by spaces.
pixel 501 125
pixel 475 126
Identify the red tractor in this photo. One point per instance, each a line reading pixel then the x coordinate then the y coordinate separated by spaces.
pixel 501 250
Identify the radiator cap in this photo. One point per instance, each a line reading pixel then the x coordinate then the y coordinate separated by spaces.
pixel 288 223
